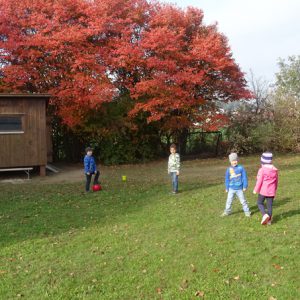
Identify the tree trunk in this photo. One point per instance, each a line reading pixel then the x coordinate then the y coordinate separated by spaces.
pixel 182 140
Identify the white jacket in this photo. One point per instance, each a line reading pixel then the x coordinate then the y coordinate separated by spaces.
pixel 174 163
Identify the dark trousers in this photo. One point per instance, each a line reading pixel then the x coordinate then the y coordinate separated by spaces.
pixel 89 178
pixel 260 203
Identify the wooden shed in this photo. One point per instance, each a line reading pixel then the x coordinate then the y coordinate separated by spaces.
pixel 24 137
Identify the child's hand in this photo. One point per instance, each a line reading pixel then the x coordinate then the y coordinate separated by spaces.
pixel 177 173
pixel 254 192
pixel 244 190
pixel 226 191
pixel 88 173
pixel 95 172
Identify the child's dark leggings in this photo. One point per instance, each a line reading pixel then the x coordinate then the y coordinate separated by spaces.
pixel 260 204
pixel 89 178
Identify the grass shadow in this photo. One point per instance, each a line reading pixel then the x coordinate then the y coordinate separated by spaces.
pixel 254 209
pixel 38 211
pixel 285 215
pixel 189 187
pixel 42 211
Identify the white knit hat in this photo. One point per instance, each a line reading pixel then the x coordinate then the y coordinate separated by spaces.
pixel 233 157
pixel 266 158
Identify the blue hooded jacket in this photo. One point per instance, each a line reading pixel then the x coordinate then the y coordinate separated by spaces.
pixel 89 164
pixel 236 178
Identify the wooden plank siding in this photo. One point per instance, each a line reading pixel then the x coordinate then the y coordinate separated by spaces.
pixel 49 140
pixel 28 148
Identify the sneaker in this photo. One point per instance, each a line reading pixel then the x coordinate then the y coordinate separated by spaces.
pixel 265 219
pixel 248 214
pixel 270 221
pixel 225 214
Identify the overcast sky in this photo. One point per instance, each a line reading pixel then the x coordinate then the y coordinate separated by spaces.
pixel 259 31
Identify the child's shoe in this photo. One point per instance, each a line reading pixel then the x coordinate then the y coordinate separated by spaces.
pixel 248 214
pixel 225 214
pixel 265 219
pixel 270 221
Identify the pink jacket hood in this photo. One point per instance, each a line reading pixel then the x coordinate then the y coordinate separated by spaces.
pixel 267 181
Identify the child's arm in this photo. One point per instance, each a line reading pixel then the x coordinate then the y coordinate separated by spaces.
pixel 86 165
pixel 245 179
pixel 227 180
pixel 259 181
pixel 93 166
pixel 276 182
pixel 178 163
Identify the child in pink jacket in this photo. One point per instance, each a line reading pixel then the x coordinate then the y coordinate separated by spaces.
pixel 266 186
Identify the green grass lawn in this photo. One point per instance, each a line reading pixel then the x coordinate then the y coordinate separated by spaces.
pixel 135 240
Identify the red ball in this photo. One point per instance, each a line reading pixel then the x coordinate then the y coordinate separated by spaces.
pixel 97 188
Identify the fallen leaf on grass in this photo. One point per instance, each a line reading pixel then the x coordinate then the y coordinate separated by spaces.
pixel 184 284
pixel 236 277
pixel 194 270
pixel 277 267
pixel 216 270
pixel 272 298
pixel 2 272
pixel 199 294
pixel 158 290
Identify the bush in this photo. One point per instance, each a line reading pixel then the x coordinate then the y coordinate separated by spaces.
pixel 128 148
pixel 287 123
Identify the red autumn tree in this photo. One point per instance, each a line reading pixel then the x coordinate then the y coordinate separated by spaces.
pixel 61 47
pixel 86 53
pixel 185 69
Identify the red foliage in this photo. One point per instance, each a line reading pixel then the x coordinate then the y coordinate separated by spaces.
pixel 85 52
pixel 187 68
pixel 61 47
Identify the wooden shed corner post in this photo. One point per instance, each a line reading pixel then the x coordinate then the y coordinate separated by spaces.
pixel 43 171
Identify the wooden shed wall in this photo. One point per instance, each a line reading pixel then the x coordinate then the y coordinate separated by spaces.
pixel 28 148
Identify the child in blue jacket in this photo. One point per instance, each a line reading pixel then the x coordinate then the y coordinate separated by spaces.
pixel 90 168
pixel 236 183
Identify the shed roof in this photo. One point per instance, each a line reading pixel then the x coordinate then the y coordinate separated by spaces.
pixel 25 96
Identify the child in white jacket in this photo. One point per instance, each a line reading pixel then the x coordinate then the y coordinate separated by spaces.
pixel 174 168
